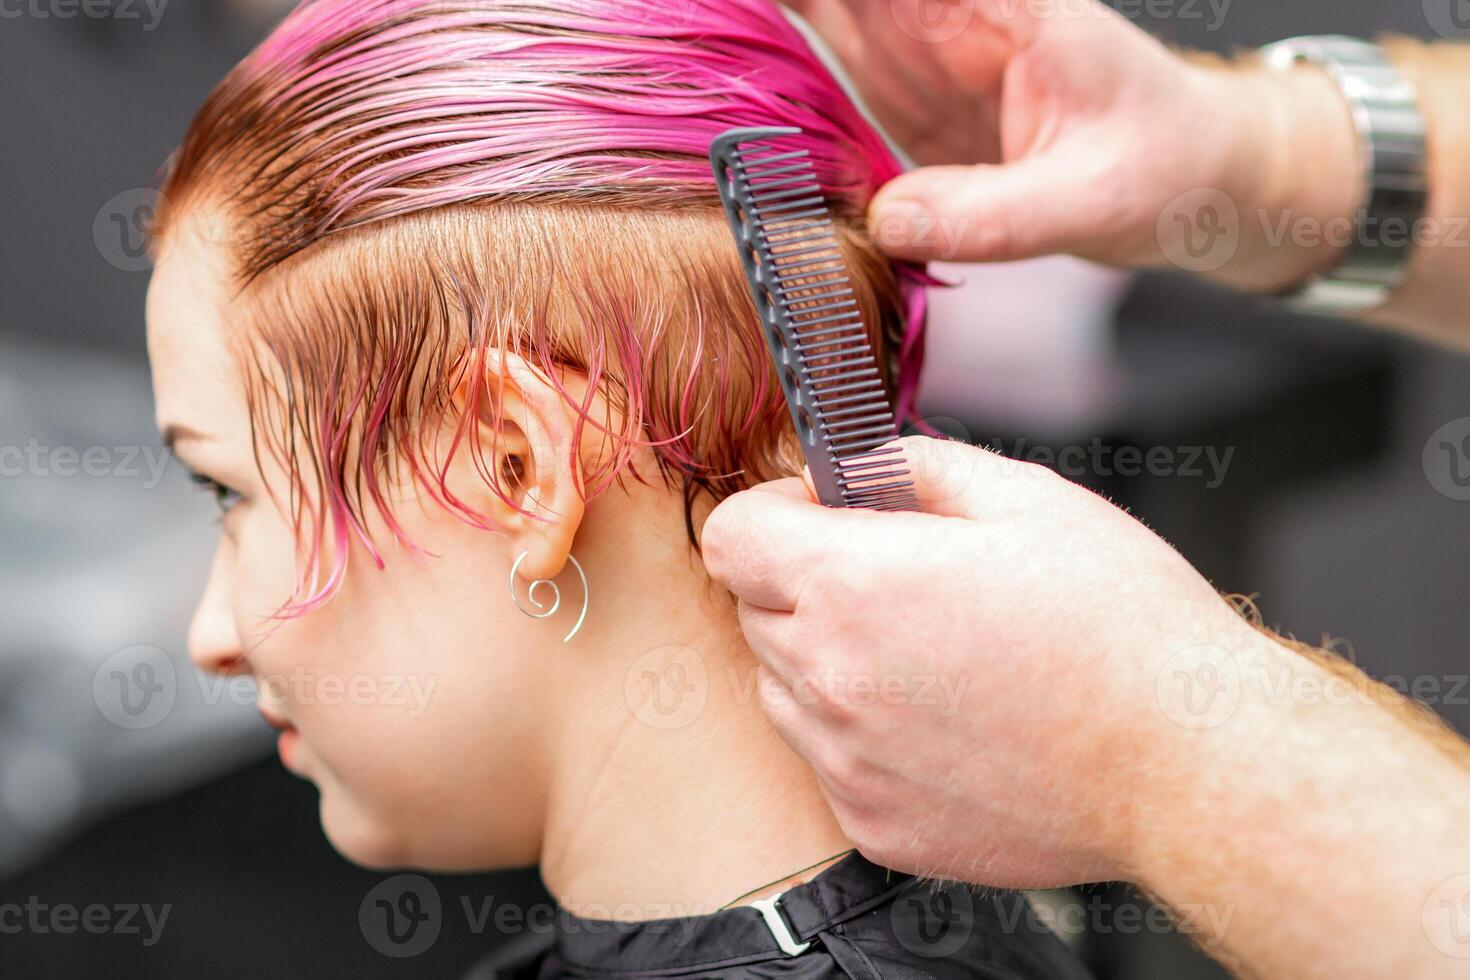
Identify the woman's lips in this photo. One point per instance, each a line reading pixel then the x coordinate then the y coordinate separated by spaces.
pixel 289 739
pixel 275 721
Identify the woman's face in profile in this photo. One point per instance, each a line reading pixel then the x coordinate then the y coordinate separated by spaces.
pixel 416 698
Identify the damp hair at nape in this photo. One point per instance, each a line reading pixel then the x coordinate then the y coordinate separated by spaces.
pixel 406 187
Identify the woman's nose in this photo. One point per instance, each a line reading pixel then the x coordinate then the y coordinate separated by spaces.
pixel 214 641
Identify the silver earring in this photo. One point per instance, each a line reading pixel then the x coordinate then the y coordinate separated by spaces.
pixel 555 594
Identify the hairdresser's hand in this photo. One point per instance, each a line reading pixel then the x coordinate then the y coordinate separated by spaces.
pixel 974 685
pixel 1062 127
pixel 1024 687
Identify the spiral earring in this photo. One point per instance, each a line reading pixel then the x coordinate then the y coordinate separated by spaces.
pixel 555 594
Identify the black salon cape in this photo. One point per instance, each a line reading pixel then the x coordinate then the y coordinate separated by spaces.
pixel 863 923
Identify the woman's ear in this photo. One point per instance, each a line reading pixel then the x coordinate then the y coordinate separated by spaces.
pixel 526 430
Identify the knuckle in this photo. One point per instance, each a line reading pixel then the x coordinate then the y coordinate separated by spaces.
pixel 750 621
pixel 714 540
pixel 722 536
pixel 1034 477
pixel 775 702
pixel 765 642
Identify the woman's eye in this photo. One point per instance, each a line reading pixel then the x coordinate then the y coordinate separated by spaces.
pixel 224 497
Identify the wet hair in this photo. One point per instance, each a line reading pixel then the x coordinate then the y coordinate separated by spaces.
pixel 405 186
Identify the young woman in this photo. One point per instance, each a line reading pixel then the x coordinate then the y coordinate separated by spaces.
pixel 447 317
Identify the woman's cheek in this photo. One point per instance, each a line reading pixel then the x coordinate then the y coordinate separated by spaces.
pixel 281 649
pixel 264 556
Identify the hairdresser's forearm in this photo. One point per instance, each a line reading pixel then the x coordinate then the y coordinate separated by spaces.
pixel 1312 834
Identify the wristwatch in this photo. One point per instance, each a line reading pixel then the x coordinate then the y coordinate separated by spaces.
pixel 1391 130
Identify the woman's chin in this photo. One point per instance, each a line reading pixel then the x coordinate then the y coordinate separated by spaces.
pixel 360 839
pixel 377 846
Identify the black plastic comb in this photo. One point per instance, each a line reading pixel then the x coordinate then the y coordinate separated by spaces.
pixel 811 319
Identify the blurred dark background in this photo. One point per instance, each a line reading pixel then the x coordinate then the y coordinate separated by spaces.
pixel 1328 509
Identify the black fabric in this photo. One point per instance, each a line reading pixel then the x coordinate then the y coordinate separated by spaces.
pixel 863 922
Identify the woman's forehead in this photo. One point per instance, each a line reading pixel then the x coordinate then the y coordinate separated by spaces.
pixel 186 345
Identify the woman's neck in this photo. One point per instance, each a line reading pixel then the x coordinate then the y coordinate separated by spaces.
pixel 669 792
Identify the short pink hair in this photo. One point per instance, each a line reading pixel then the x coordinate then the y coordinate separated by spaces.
pixel 409 184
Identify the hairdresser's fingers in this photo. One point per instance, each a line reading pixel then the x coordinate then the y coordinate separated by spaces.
pixel 834 21
pixel 766 544
pixel 955 479
pixel 935 23
pixel 787 715
pixel 795 487
pixel 1035 206
pixel 762 544
pixel 771 636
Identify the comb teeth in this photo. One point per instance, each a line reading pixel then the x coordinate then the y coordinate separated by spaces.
pixel 811 319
